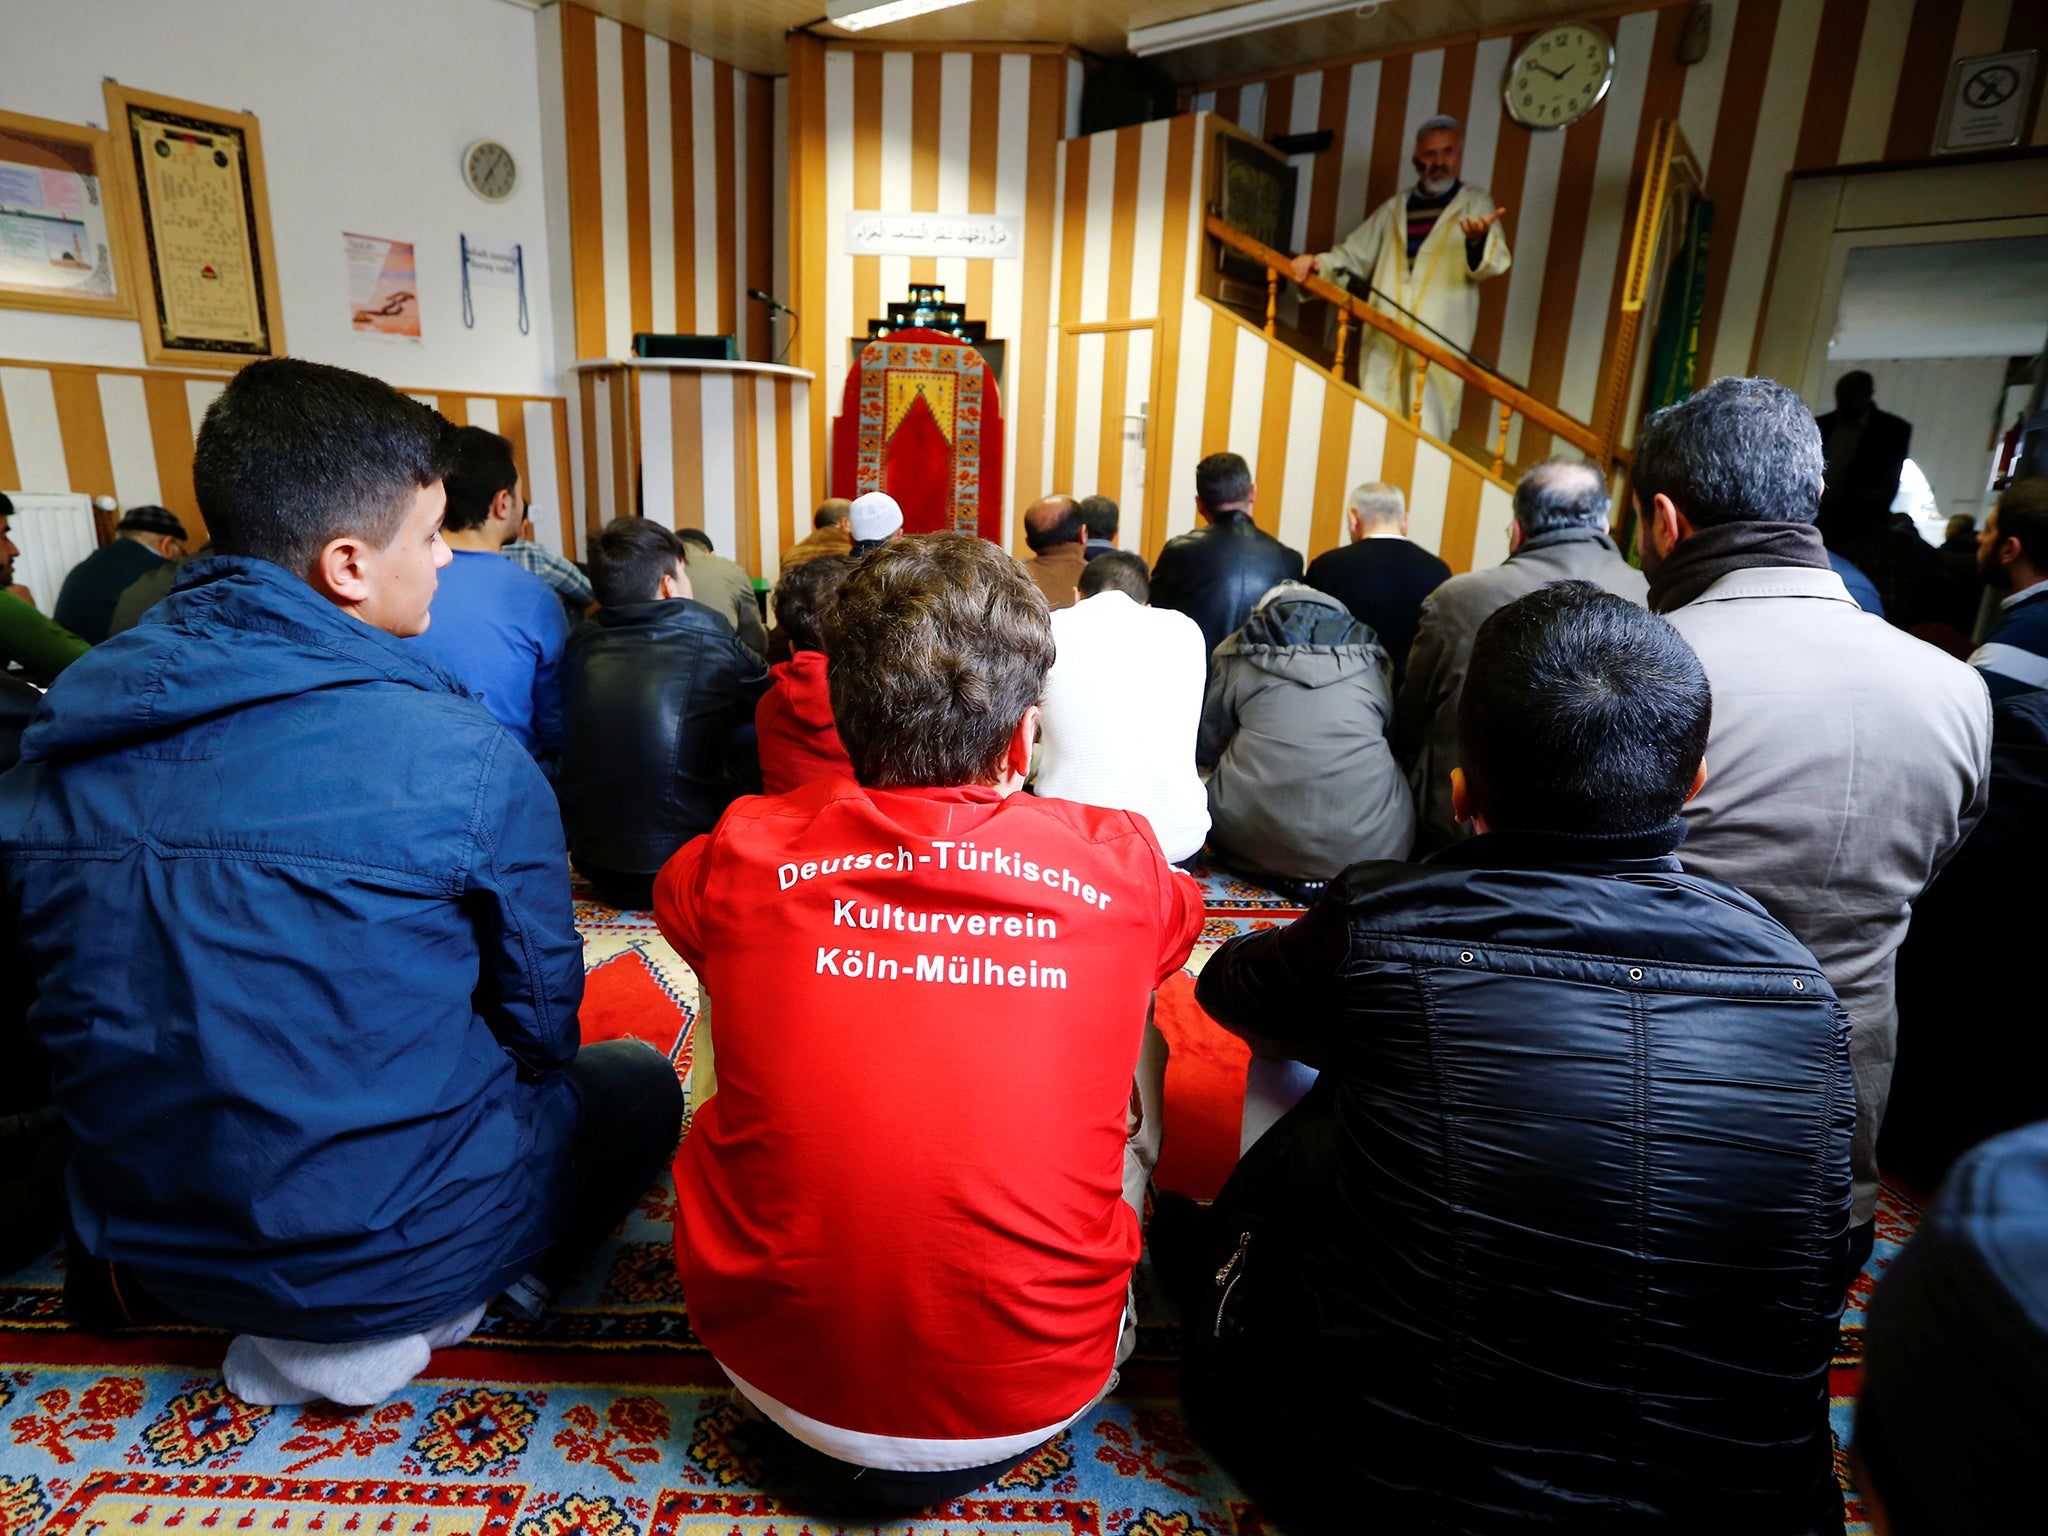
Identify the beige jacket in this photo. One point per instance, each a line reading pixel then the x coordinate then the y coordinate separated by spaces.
pixel 1848 760
pixel 725 588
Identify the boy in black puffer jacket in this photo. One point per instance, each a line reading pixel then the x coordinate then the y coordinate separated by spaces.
pixel 1558 1239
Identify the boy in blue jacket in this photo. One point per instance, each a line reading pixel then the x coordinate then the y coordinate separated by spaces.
pixel 297 910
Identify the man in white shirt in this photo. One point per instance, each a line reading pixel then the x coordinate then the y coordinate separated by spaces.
pixel 1123 703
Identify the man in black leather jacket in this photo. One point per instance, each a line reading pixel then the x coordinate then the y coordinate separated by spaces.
pixel 1217 573
pixel 658 704
pixel 1558 1239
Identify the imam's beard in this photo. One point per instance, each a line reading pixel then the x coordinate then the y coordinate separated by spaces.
pixel 1434 186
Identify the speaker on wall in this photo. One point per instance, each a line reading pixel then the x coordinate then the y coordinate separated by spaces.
pixel 1126 90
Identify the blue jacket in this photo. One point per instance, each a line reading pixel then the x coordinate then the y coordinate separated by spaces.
pixel 298 915
pixel 2014 655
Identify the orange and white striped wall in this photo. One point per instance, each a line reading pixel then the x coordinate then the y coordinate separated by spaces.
pixel 1157 376
pixel 1786 85
pixel 128 433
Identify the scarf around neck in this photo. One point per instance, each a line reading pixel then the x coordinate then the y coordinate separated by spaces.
pixel 1711 553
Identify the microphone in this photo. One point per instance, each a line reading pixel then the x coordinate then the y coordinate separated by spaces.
pixel 770 300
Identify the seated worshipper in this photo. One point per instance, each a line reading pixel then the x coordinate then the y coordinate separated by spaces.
pixel 1099 515
pixel 725 588
pixel 2012 554
pixel 299 922
pixel 146 539
pixel 37 645
pixel 1215 574
pixel 149 589
pixel 1122 705
pixel 570 584
pixel 660 698
pixel 1381 576
pixel 828 535
pixel 793 722
pixel 1560 534
pixel 1295 726
pixel 1557 1241
pixel 873 520
pixel 497 627
pixel 907 1218
pixel 1850 757
pixel 1972 1058
pixel 1058 539
pixel 1955 1355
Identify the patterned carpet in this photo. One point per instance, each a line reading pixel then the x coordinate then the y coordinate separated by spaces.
pixel 605 1418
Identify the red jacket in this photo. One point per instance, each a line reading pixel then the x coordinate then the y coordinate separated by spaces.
pixel 901 1213
pixel 793 722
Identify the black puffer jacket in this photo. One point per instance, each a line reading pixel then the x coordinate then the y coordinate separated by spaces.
pixel 1217 573
pixel 658 705
pixel 1558 1241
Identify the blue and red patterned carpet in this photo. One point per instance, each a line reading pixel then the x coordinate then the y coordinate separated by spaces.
pixel 606 1418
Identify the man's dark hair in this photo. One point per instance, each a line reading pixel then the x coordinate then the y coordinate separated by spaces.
pixel 698 537
pixel 6 505
pixel 629 557
pixel 1739 451
pixel 1561 493
pixel 804 594
pixel 1583 713
pixel 1117 571
pixel 1068 529
pixel 1100 516
pixel 483 467
pixel 939 643
pixel 1223 481
pixel 833 509
pixel 293 455
pixel 2023 514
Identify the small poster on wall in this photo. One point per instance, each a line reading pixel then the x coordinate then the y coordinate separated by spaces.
pixel 383 287
pixel 58 243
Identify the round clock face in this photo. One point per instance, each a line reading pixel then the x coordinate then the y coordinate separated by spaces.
pixel 1560 76
pixel 490 170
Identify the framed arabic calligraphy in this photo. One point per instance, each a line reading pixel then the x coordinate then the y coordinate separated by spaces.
pixel 62 247
pixel 192 189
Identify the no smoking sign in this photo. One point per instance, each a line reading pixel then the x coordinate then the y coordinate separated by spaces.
pixel 1987 101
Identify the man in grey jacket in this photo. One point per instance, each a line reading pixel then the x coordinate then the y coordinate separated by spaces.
pixel 1560 534
pixel 1295 724
pixel 1848 759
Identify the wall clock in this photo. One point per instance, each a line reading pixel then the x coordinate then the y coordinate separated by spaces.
pixel 1561 76
pixel 490 170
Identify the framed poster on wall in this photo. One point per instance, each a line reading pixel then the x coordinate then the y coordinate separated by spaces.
pixel 61 241
pixel 192 189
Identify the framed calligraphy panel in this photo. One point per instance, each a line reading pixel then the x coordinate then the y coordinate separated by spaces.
pixel 193 191
pixel 62 246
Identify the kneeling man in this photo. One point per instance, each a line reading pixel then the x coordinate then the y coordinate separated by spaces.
pixel 902 1218
pixel 298 909
pixel 1558 1240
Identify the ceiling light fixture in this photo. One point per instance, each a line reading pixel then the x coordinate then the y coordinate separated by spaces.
pixel 859 15
pixel 1236 21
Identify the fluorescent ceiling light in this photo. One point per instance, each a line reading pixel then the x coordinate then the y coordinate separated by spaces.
pixel 859 15
pixel 1236 21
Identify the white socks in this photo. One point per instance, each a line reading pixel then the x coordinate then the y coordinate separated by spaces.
pixel 289 1371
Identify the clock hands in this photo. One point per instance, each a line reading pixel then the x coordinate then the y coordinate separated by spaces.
pixel 1555 74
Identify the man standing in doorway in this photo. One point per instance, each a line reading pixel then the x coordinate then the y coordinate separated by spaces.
pixel 1424 254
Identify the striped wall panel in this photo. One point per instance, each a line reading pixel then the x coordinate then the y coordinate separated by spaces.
pixel 128 434
pixel 724 451
pixel 930 132
pixel 673 190
pixel 1787 85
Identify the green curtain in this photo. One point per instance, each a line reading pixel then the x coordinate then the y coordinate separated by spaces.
pixel 1675 357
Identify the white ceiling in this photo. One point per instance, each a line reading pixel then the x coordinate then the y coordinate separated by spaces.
pixel 751 33
pixel 1972 298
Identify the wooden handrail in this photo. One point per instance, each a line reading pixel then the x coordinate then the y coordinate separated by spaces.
pixel 1548 417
